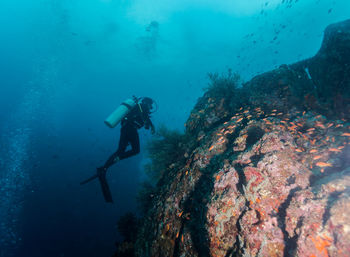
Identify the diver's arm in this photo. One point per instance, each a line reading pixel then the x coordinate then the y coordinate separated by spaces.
pixel 149 124
pixel 153 130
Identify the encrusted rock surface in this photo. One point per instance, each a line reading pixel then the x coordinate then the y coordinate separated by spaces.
pixel 270 174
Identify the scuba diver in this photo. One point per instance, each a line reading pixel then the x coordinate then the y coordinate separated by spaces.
pixel 133 114
pixel 137 117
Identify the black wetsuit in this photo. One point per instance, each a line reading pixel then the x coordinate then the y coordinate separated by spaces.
pixel 138 117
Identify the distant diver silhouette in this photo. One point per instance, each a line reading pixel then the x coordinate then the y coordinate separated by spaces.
pixel 133 115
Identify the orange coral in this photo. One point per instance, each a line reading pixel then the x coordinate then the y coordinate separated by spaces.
pixel 322 243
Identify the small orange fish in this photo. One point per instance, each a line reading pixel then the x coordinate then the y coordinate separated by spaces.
pixel 339 125
pixel 304 112
pixel 177 234
pixel 323 164
pixel 313 151
pixel 313 141
pixel 330 125
pixel 182 238
pixel 180 214
pixel 211 148
pixel 258 148
pixel 346 134
pixel 221 139
pixel 317 157
pixel 240 119
pixel 311 129
pixel 334 150
pixel 320 125
pixel 217 177
pixel 298 150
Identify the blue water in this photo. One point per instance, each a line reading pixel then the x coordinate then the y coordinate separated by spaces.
pixel 65 65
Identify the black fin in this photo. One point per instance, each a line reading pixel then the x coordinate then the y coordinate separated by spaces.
pixel 105 188
pixel 89 179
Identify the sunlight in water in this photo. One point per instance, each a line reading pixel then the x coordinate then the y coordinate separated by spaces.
pixel 162 10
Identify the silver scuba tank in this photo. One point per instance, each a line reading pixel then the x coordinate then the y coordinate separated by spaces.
pixel 115 117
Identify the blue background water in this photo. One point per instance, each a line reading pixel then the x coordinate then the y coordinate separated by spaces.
pixel 65 65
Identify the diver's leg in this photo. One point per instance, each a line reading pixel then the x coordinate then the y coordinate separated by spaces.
pixel 134 140
pixel 123 143
pixel 135 143
pixel 111 160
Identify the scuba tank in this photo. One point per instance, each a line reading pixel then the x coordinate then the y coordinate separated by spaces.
pixel 123 109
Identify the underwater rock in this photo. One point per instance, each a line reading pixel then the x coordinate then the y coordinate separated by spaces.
pixel 268 175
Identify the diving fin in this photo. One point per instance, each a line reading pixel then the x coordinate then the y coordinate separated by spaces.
pixel 101 175
pixel 89 179
pixel 105 188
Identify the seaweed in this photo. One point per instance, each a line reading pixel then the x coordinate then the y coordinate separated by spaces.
pixel 224 85
pixel 166 149
pixel 127 226
pixel 145 196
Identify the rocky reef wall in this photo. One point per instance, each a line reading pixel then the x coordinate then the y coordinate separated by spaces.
pixel 267 172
